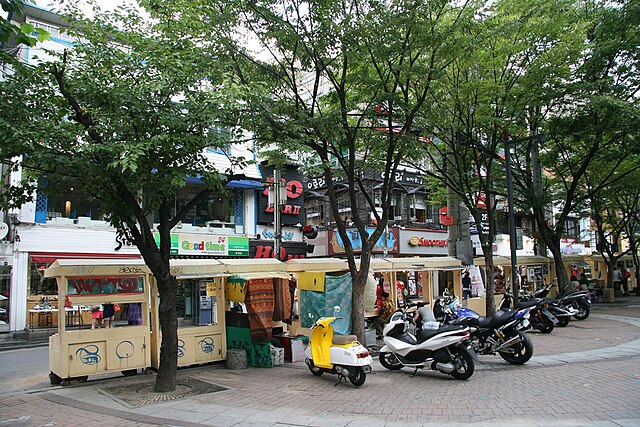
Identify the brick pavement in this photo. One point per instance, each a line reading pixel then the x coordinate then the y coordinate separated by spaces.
pixel 556 388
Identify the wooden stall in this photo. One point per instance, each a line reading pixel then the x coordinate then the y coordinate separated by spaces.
pixel 74 354
pixel 201 305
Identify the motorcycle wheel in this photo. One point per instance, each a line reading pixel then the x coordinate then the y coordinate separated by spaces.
pixel 523 350
pixel 563 321
pixel 463 362
pixel 358 378
pixel 546 327
pixel 585 310
pixel 315 371
pixel 390 361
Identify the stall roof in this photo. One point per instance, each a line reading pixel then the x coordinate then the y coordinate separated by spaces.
pixel 254 265
pixel 316 264
pixel 185 268
pixel 420 263
pixel 88 266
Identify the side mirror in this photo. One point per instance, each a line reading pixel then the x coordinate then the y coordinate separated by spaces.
pixel 336 310
pixel 310 316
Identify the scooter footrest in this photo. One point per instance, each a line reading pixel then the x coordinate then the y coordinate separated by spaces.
pixel 344 339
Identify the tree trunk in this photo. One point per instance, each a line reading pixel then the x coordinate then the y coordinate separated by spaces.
pixel 359 282
pixel 167 372
pixel 611 264
pixel 490 284
pixel 561 272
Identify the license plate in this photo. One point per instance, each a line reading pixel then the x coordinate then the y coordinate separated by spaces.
pixel 525 323
pixel 551 317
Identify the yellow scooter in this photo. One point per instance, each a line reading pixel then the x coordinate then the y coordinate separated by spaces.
pixel 337 354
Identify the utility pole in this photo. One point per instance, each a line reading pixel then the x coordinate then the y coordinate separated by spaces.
pixel 277 214
pixel 512 220
pixel 459 243
pixel 541 248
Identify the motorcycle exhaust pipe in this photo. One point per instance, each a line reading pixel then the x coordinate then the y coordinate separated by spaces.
pixel 342 371
pixel 508 343
pixel 447 368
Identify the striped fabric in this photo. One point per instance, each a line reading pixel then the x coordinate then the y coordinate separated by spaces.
pixel 260 304
pixel 282 308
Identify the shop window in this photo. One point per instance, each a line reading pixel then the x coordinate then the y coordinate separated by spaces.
pixel 73 203
pixel 218 207
pixel 38 284
pixel 571 228
pixel 5 289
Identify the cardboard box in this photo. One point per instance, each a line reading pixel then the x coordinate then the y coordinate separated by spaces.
pixel 294 348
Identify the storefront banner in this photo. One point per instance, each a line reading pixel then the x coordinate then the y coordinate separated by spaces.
pixel 390 242
pixel 207 244
pixel 313 281
pixel 423 242
pixel 105 285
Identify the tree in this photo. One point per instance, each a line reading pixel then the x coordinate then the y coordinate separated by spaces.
pixel 127 113
pixel 594 113
pixel 344 82
pixel 511 54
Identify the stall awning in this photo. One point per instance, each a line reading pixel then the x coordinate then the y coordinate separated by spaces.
pixel 49 258
pixel 98 267
pixel 422 263
pixel 255 265
pixel 316 264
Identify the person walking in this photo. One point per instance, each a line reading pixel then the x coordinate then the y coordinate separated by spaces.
pixel 466 285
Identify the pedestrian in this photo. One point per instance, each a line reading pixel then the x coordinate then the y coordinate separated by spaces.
pixel 424 318
pixel 625 280
pixel 108 312
pixel 617 278
pixel 96 316
pixel 584 282
pixel 574 285
pixel 466 285
pixel 385 310
pixel 379 291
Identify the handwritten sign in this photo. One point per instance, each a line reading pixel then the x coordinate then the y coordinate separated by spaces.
pixel 105 285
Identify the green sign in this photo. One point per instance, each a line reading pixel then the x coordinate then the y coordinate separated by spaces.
pixel 207 244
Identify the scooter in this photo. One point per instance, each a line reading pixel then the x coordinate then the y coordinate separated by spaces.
pixel 445 349
pixel 336 354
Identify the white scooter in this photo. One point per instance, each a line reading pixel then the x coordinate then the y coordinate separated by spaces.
pixel 446 349
pixel 337 354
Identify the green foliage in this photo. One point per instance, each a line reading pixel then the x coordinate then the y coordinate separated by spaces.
pixel 130 108
pixel 24 33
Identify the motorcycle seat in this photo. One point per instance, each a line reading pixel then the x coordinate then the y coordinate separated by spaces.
pixel 528 304
pixel 425 334
pixel 500 317
pixel 344 339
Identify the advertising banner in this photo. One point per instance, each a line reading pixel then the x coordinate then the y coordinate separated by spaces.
pixel 207 244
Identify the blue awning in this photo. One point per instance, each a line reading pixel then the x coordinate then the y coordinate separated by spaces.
pixel 245 183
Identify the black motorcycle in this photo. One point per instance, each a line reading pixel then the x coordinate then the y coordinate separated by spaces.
pixel 502 333
pixel 547 310
pixel 578 301
pixel 541 317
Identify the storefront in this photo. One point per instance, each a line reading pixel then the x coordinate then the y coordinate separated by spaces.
pixel 33 298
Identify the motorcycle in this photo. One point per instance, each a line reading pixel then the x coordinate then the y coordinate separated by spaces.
pixel 540 317
pixel 561 312
pixel 445 349
pixel 336 354
pixel 578 300
pixel 502 333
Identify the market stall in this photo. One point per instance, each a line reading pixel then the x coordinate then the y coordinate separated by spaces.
pixel 200 306
pixel 74 354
